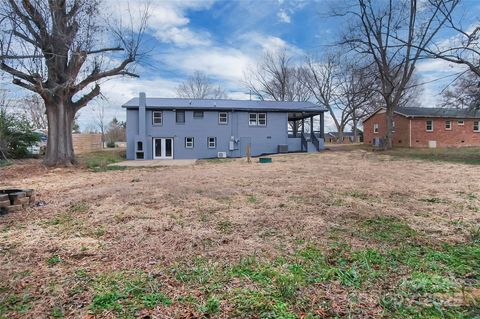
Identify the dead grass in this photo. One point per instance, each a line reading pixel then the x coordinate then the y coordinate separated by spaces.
pixel 155 222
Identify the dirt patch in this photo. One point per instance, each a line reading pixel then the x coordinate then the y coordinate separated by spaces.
pixel 146 217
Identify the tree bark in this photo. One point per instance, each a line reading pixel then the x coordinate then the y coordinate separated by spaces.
pixel 60 144
pixel 387 145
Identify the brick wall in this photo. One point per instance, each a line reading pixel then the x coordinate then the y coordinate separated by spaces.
pixel 457 136
pixel 401 134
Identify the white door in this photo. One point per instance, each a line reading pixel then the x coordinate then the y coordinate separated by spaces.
pixel 163 148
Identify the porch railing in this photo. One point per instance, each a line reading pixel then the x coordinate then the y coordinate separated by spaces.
pixel 315 142
pixel 304 143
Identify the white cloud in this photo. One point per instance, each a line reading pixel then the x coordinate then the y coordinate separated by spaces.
pixel 283 16
pixel 183 37
pixel 167 21
pixel 438 65
pixel 223 63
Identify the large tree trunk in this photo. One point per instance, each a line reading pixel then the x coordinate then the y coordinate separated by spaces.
pixel 59 144
pixel 355 134
pixel 387 145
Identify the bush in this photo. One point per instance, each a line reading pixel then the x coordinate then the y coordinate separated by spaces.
pixel 111 144
pixel 16 135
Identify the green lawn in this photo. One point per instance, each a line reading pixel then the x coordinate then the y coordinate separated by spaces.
pixel 466 155
pixel 99 161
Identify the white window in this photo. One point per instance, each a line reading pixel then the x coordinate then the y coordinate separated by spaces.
pixel 375 128
pixel 252 119
pixel 180 116
pixel 212 142
pixel 429 125
pixel 448 125
pixel 198 114
pixel 476 126
pixel 460 122
pixel 222 118
pixel 257 119
pixel 188 142
pixel 393 126
pixel 262 119
pixel 157 118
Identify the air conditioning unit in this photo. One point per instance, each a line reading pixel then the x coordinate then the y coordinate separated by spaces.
pixel 222 154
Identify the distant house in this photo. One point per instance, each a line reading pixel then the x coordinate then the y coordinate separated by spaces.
pixel 163 128
pixel 348 137
pixel 426 127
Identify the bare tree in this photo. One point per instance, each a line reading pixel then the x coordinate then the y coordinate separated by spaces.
pixel 276 78
pixel 99 120
pixel 58 49
pixel 463 48
pixel 199 86
pixel 356 89
pixel 34 109
pixel 464 94
pixel 320 77
pixel 395 34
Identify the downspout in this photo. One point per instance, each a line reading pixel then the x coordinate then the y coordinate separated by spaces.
pixel 410 132
pixel 142 103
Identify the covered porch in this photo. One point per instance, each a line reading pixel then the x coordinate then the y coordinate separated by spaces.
pixel 306 131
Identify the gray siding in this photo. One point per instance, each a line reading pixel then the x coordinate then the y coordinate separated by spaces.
pixel 263 139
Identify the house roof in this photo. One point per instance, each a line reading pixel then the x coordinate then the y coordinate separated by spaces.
pixel 345 134
pixel 441 112
pixel 210 104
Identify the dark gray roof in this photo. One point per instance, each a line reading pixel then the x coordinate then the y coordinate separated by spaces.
pixel 438 112
pixel 210 104
pixel 345 134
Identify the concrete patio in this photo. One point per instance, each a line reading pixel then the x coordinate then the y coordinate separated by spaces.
pixel 155 163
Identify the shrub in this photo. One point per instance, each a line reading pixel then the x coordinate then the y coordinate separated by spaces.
pixel 16 135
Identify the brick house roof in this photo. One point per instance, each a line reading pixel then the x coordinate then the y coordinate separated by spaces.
pixel 435 112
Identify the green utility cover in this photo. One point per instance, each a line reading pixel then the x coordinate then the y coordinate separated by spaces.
pixel 265 160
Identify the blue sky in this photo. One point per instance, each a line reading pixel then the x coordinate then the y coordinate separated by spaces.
pixel 224 38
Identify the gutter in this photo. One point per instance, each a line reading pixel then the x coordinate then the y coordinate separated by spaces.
pixel 410 132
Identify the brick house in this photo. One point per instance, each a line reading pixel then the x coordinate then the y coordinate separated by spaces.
pixel 425 127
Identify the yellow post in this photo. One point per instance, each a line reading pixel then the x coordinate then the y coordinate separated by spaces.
pixel 247 151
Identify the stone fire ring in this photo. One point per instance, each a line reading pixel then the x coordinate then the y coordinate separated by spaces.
pixel 12 200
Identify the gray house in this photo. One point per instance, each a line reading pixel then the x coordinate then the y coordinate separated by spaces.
pixel 163 128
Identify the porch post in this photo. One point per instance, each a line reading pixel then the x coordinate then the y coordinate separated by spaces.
pixel 311 127
pixel 322 124
pixel 303 125
pixel 295 128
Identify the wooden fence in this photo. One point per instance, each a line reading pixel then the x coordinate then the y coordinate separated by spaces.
pixel 85 143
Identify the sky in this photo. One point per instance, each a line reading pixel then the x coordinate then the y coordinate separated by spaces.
pixel 224 38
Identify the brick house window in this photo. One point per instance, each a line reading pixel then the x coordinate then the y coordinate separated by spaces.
pixel 448 125
pixel 429 125
pixel 476 126
pixel 375 128
pixel 460 122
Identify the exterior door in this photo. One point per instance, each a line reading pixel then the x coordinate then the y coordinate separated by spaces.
pixel 163 148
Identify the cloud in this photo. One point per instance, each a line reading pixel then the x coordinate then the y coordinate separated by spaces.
pixel 183 37
pixel 224 63
pixel 167 21
pixel 283 16
pixel 438 65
